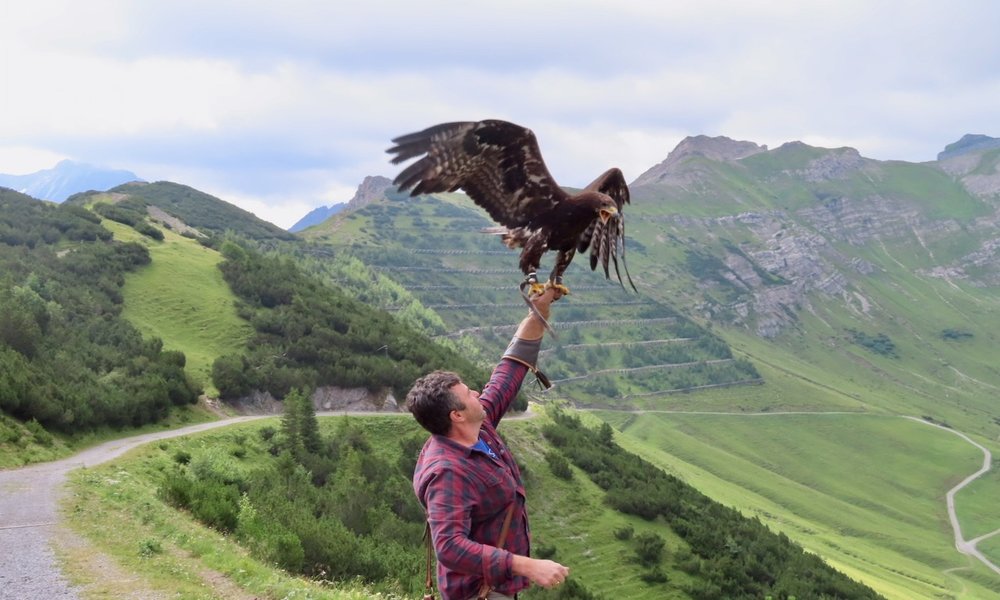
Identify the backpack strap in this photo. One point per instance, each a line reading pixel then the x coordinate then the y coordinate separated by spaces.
pixel 429 581
pixel 485 590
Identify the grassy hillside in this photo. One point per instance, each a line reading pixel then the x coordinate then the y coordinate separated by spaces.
pixel 182 299
pixel 433 246
pixel 837 258
pixel 194 208
pixel 571 521
pixel 843 264
pixel 169 551
pixel 866 492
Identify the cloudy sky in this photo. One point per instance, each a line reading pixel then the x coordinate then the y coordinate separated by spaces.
pixel 280 107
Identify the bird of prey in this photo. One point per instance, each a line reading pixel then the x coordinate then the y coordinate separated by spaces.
pixel 498 164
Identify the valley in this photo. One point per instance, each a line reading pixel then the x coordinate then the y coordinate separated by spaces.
pixel 812 344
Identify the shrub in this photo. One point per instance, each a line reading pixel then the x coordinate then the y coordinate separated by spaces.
pixel 41 436
pixel 148 547
pixel 544 551
pixel 149 231
pixel 559 465
pixel 649 549
pixel 216 504
pixel 267 432
pixel 176 490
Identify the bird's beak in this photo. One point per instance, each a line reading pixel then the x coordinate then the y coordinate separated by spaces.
pixel 607 214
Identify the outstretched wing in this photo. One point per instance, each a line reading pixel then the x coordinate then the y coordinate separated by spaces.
pixel 607 240
pixel 497 163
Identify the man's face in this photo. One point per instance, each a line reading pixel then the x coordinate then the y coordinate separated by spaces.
pixel 473 411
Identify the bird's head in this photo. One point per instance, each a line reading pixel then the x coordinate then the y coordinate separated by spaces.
pixel 607 211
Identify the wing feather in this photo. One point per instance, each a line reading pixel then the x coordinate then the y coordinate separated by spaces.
pixel 607 241
pixel 498 164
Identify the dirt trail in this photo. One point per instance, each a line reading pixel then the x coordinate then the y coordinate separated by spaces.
pixel 967 547
pixel 29 515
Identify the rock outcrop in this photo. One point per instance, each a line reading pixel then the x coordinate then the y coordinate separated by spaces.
pixel 325 399
pixel 808 218
pixel 371 188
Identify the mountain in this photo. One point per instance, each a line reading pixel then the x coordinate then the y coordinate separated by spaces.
pixel 316 216
pixel 65 179
pixel 783 245
pixel 969 143
pixel 434 247
pixel 181 207
pixel 788 227
pixel 795 304
pixel 371 188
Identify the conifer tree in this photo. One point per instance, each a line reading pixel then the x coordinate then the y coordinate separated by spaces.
pixel 308 425
pixel 299 424
pixel 290 421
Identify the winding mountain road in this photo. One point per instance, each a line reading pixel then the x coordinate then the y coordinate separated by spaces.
pixel 967 547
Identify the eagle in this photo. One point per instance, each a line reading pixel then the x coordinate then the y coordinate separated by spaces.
pixel 499 165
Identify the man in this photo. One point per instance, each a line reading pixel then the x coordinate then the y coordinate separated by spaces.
pixel 467 479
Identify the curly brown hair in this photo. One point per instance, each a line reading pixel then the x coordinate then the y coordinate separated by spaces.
pixel 430 401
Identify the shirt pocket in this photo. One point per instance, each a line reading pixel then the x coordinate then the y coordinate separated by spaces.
pixel 498 488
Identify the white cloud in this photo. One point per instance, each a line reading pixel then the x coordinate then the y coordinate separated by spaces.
pixel 22 160
pixel 288 105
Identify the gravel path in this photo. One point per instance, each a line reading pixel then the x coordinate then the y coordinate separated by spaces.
pixel 967 547
pixel 29 515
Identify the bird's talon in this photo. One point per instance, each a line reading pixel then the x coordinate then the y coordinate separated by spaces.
pixel 562 288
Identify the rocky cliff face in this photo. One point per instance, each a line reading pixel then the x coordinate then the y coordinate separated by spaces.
pixel 371 188
pixel 809 250
pixel 975 161
pixel 325 399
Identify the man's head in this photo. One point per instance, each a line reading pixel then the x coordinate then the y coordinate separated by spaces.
pixel 431 400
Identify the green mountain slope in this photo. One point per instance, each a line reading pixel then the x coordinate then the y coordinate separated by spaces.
pixel 182 299
pixel 572 516
pixel 68 360
pixel 173 201
pixel 434 248
pixel 876 273
pixel 843 283
pixel 864 492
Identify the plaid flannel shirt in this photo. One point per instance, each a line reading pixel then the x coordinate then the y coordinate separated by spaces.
pixel 467 493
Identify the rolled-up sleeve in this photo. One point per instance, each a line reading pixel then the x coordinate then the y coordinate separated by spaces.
pixel 502 388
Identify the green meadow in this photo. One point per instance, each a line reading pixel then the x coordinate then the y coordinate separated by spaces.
pixel 866 492
pixel 182 299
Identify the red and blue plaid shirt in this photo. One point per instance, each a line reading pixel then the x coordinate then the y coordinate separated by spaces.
pixel 467 493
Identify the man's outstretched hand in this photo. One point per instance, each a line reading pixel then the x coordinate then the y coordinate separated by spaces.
pixel 542 302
